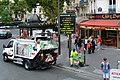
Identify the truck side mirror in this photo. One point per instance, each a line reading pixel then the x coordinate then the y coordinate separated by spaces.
pixel 4 46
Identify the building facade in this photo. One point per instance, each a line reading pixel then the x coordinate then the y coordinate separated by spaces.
pixel 99 17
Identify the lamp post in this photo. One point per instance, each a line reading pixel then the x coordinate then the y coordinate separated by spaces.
pixel 77 8
pixel 59 49
pixel 85 58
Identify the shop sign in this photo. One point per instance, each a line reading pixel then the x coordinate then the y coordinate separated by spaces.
pixel 104 16
pixel 67 23
pixel 92 27
pixel 115 74
pixel 110 28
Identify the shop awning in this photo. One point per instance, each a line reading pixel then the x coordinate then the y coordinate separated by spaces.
pixel 101 23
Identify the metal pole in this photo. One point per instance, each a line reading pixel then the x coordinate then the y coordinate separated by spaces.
pixel 59 49
pixel 69 45
pixel 84 56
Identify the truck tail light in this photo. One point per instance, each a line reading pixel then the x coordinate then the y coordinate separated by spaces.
pixel 42 56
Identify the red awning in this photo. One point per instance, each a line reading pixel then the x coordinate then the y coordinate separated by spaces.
pixel 101 23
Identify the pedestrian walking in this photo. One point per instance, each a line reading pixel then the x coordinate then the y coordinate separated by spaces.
pixel 79 44
pixel 89 47
pixel 85 42
pixel 90 38
pixel 93 45
pixel 105 67
pixel 76 43
pixel 99 43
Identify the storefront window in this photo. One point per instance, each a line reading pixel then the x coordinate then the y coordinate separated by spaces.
pixel 96 32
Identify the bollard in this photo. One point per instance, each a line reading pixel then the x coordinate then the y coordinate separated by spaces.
pixel 118 65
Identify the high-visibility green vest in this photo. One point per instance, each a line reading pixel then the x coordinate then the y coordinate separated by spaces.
pixel 73 54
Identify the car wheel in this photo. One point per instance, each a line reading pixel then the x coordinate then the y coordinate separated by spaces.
pixel 6 37
pixel 5 58
pixel 27 64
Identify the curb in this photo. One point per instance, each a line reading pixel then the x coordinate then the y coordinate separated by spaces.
pixel 81 73
pixel 68 68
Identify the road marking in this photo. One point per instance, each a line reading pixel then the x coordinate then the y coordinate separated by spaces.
pixel 89 76
pixel 98 71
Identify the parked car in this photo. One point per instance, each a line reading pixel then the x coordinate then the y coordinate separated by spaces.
pixel 4 27
pixel 5 34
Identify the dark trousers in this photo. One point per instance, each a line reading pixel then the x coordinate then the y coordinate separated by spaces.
pixel 85 46
pixel 93 49
pixel 89 50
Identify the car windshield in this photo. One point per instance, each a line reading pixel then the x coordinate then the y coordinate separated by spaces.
pixel 3 32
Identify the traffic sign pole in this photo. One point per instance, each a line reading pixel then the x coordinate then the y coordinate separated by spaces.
pixel 69 45
pixel 59 49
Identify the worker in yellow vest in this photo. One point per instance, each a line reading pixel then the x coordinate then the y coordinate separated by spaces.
pixel 72 56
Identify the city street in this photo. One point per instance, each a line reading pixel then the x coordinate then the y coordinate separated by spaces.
pixel 11 71
pixel 17 72
pixel 51 31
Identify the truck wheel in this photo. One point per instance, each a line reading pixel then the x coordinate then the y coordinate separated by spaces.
pixel 5 58
pixel 54 62
pixel 27 64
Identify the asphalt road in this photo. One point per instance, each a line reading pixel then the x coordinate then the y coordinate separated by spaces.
pixel 11 71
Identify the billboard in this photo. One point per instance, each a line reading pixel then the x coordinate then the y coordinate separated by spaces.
pixel 67 23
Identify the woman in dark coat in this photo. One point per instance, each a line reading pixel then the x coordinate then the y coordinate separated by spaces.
pixel 93 45
pixel 79 44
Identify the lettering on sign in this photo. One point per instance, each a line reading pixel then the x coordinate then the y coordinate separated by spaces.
pixel 104 16
pixel 67 23
pixel 115 74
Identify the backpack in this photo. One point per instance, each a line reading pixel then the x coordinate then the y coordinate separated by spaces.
pixel 88 45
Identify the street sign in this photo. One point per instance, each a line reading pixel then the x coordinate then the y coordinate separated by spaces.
pixel 115 74
pixel 67 23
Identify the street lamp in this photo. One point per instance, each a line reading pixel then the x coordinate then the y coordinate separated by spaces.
pixel 85 58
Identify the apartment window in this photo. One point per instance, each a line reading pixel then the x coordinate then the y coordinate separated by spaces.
pixel 112 6
pixel 91 7
pixel 110 2
pixel 114 2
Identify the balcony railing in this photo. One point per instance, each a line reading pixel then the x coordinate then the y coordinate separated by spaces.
pixel 83 2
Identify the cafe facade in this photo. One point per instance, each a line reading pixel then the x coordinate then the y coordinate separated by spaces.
pixel 105 25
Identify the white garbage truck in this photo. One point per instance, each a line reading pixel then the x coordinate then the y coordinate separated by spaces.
pixel 30 54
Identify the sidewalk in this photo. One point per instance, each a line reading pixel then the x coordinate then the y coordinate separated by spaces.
pixel 93 60
pixel 63 62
